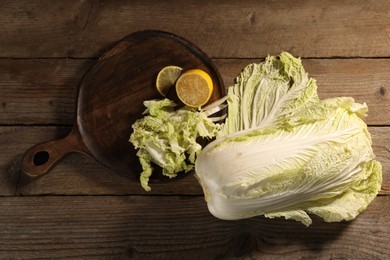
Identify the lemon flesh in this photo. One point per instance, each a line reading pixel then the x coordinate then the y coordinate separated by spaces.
pixel 166 78
pixel 194 88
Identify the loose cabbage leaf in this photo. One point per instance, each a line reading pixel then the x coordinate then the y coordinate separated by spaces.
pixel 167 137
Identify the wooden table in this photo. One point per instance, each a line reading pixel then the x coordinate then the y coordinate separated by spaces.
pixel 84 211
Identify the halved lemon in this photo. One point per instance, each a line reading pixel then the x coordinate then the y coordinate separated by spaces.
pixel 194 88
pixel 166 78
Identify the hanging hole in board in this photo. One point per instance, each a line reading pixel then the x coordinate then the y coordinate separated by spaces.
pixel 41 158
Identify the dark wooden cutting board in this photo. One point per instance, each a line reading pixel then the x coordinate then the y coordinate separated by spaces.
pixel 111 96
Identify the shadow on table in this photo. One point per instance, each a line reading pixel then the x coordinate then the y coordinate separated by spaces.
pixel 279 237
pixel 182 226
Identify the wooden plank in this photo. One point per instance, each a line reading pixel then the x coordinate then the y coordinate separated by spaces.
pixel 39 91
pixel 380 146
pixel 43 91
pixel 244 29
pixel 101 227
pixel 80 175
pixel 9 162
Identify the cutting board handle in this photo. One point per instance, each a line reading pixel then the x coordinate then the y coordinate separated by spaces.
pixel 41 158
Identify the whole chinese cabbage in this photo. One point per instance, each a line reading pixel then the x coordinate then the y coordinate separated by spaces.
pixel 284 153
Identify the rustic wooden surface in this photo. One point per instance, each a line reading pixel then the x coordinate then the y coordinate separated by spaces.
pixel 82 210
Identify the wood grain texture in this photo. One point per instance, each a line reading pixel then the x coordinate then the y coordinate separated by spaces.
pixel 42 91
pixel 223 29
pixel 80 175
pixel 83 211
pixel 177 227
